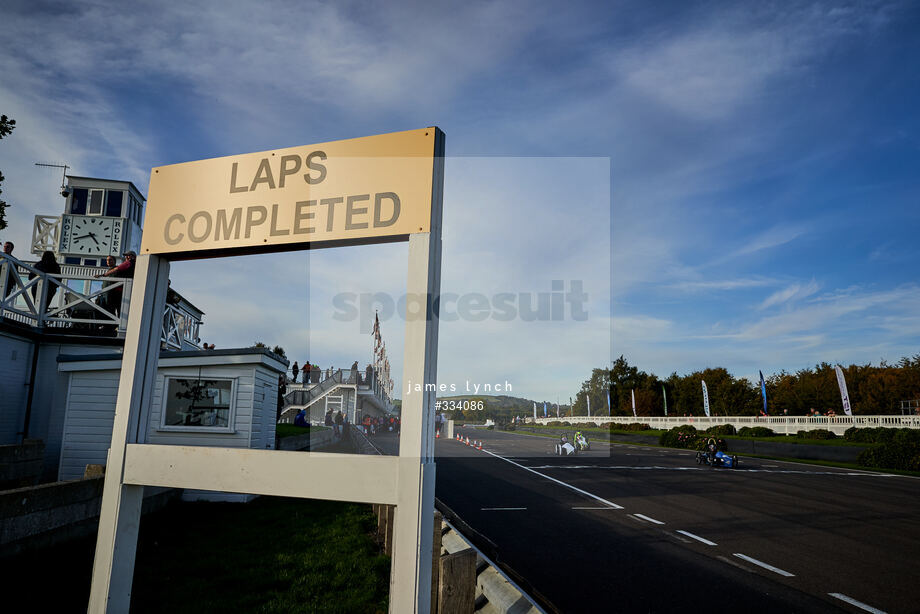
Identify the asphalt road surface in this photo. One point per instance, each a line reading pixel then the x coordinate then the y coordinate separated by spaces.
pixel 638 529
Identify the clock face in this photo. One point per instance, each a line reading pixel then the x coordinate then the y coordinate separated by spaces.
pixel 90 235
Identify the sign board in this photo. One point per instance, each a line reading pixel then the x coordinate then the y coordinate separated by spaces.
pixel 367 190
pixel 374 187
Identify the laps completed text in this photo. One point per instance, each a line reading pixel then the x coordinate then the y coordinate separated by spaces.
pixel 348 212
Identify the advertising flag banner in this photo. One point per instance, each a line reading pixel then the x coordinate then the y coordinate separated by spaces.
pixel 608 401
pixel 634 401
pixel 544 409
pixel 844 395
pixel 763 392
pixel 705 398
pixel 534 410
pixel 589 405
pixel 664 393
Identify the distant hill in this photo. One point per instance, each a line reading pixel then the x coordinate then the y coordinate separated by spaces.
pixel 494 406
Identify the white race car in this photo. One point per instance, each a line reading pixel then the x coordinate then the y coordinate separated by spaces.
pixel 564 448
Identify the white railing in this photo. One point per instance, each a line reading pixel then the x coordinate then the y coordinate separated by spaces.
pixel 80 303
pixel 180 329
pixel 46 233
pixel 779 424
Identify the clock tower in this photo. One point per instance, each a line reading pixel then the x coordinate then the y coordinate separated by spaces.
pixel 101 218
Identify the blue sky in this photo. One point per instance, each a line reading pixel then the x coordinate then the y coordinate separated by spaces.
pixel 739 184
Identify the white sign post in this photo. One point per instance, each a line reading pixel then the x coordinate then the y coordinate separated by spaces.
pixel 406 481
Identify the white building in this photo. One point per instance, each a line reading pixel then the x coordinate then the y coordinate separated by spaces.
pixel 222 398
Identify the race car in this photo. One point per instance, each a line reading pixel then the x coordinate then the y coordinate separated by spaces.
pixel 714 457
pixel 566 448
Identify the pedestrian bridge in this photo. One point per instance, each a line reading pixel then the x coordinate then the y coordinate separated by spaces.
pixel 354 393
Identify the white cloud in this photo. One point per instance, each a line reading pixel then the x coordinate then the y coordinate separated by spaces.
pixel 722 284
pixel 790 293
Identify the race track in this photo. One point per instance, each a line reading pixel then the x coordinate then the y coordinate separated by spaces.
pixel 639 529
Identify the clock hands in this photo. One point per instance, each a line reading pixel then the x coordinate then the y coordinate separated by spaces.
pixel 91 235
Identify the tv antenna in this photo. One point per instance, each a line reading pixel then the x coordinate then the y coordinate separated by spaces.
pixel 64 191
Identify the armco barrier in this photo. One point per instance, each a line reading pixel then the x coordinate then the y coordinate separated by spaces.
pixel 501 596
pixel 782 425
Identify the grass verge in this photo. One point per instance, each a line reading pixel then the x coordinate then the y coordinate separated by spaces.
pixel 289 430
pixel 273 555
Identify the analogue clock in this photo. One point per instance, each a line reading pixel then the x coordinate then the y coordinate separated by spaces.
pixel 91 235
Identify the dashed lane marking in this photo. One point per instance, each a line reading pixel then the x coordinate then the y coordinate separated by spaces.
pixel 858 604
pixel 702 540
pixel 751 559
pixel 560 482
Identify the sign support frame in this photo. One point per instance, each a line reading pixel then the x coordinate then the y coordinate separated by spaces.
pixel 132 464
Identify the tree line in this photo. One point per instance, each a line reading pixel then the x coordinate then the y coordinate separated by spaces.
pixel 872 390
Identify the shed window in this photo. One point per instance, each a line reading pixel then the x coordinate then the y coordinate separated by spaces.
pixel 198 403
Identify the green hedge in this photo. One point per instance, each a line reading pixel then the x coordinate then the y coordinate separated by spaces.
pixel 872 435
pixel 895 455
pixel 684 436
pixel 721 430
pixel 632 426
pixel 816 434
pixel 755 431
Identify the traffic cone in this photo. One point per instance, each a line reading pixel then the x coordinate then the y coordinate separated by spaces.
pixel 479 447
pixel 437 434
pixel 467 441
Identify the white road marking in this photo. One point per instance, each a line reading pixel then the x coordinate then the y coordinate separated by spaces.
pixel 599 507
pixel 543 475
pixel 750 559
pixel 644 517
pixel 698 538
pixel 858 604
pixel 501 509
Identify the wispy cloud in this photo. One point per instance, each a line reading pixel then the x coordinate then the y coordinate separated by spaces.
pixel 792 292
pixel 723 284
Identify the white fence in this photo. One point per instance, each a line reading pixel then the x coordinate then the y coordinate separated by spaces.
pixel 779 424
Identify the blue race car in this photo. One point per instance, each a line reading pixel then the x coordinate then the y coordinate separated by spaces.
pixel 714 457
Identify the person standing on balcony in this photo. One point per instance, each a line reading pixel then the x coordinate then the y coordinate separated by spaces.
pixel 294 369
pixel 10 284
pixel 125 270
pixel 49 266
pixel 105 298
pixel 306 372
